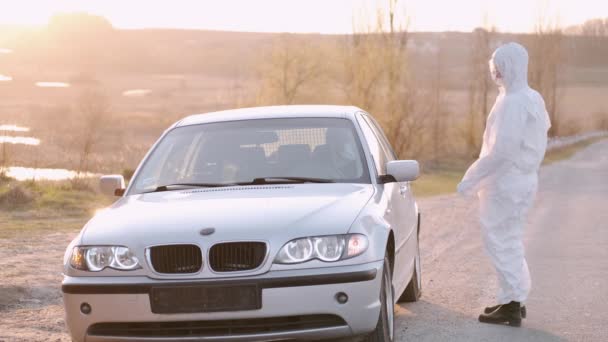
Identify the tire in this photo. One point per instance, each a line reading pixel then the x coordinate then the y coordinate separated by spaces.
pixel 413 291
pixel 385 329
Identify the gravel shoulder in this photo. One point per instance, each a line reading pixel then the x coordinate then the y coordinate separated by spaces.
pixel 566 239
pixel 566 243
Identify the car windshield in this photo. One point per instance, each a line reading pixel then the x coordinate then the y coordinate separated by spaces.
pixel 234 152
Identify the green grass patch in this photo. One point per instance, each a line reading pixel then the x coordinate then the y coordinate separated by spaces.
pixel 437 182
pixel 569 151
pixel 39 207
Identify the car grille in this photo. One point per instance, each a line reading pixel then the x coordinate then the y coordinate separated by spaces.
pixel 236 256
pixel 176 259
pixel 215 328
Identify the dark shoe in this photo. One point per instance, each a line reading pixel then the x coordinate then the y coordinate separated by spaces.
pixel 491 309
pixel 509 314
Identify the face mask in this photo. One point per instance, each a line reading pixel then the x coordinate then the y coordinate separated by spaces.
pixel 494 73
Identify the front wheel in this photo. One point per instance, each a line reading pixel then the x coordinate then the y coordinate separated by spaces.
pixel 385 329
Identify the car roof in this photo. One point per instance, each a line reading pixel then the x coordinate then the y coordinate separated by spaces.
pixel 270 112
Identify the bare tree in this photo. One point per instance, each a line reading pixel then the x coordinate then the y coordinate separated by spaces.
pixel 376 74
pixel 92 113
pixel 594 28
pixel 293 63
pixel 5 159
pixel 546 62
pixel 412 126
pixel 363 69
pixel 479 87
pixel 400 104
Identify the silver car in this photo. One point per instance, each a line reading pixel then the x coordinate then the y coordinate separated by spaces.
pixel 270 223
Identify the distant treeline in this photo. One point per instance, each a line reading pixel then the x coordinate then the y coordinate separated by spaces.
pixel 86 43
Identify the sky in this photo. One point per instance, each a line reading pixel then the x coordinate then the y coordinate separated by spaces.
pixel 305 16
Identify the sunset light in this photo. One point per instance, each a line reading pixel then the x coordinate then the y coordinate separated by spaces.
pixel 322 16
pixel 328 170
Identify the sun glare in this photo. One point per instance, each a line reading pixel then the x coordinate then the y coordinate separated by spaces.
pixel 321 16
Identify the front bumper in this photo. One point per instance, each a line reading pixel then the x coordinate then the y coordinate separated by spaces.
pixel 294 293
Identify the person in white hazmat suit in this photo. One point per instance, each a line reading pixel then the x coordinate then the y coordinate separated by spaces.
pixel 505 178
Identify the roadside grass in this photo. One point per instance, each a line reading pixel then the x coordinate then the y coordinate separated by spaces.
pixel 444 179
pixel 437 182
pixel 37 207
pixel 568 151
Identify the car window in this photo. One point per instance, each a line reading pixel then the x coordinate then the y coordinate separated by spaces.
pixel 390 153
pixel 240 151
pixel 376 150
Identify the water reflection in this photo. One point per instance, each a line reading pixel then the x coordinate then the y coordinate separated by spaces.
pixel 136 92
pixel 4 139
pixel 52 84
pixel 28 173
pixel 4 78
pixel 14 128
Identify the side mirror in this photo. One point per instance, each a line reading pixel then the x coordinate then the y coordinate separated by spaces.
pixel 112 185
pixel 403 170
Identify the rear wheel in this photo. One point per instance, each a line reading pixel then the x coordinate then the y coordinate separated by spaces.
pixel 385 329
pixel 413 291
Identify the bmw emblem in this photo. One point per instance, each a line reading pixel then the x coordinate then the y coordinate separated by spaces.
pixel 207 231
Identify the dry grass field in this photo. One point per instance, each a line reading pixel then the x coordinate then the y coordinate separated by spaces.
pixel 150 78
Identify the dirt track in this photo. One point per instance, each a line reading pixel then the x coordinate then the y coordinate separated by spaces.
pixel 566 243
pixel 30 297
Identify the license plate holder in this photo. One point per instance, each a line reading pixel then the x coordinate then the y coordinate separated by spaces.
pixel 205 298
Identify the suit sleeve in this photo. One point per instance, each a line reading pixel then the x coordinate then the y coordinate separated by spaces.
pixel 504 147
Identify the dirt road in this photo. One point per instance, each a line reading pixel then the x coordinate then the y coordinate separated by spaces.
pixel 567 251
pixel 567 239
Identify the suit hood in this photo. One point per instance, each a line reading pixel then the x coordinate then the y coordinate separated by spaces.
pixel 511 60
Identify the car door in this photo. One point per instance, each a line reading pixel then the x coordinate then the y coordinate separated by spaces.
pixel 404 216
pixel 392 200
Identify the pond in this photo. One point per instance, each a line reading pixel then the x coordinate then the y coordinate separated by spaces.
pixel 5 139
pixel 7 135
pixel 14 128
pixel 136 92
pixel 29 173
pixel 52 84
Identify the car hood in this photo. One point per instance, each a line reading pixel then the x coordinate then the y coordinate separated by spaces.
pixel 258 213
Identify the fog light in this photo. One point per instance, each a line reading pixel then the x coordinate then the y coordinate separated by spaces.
pixel 85 308
pixel 341 297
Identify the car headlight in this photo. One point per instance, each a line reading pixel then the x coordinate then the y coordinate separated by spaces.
pixel 325 248
pixel 97 258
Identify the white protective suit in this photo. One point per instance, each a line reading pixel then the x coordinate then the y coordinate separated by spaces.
pixel 505 177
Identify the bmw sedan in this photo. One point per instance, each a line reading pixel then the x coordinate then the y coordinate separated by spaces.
pixel 256 224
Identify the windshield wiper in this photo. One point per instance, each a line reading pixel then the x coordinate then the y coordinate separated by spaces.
pixel 274 180
pixel 256 181
pixel 191 185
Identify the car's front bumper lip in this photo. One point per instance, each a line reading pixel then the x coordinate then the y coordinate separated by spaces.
pixel 307 335
pixel 285 293
pixel 264 283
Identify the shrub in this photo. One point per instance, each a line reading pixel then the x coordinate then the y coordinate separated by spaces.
pixel 78 184
pixel 601 120
pixel 17 196
pixel 4 178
